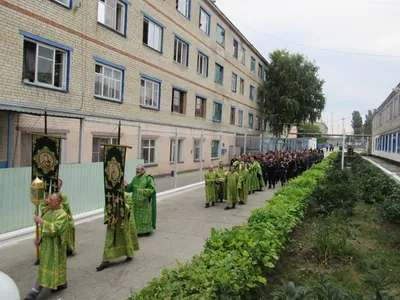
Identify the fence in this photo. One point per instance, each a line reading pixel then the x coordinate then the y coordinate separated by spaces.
pixel 83 183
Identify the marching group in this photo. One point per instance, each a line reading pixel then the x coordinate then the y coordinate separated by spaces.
pixel 250 173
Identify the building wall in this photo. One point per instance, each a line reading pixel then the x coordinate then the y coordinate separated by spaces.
pixel 78 28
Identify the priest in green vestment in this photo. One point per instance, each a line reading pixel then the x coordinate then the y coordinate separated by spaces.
pixel 221 187
pixel 211 187
pixel 134 236
pixel 70 232
pixel 256 179
pixel 120 241
pixel 232 180
pixel 243 184
pixel 144 200
pixel 53 248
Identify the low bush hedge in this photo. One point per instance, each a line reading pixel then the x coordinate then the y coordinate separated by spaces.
pixel 233 261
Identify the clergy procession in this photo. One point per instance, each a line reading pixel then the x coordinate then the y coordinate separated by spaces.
pixel 249 173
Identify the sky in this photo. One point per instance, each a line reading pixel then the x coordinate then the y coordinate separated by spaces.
pixel 352 82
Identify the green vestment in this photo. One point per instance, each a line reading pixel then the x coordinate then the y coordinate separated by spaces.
pixel 144 202
pixel 134 236
pixel 256 179
pixel 232 180
pixel 236 164
pixel 243 184
pixel 53 249
pixel 211 187
pixel 70 232
pixel 221 187
pixel 119 240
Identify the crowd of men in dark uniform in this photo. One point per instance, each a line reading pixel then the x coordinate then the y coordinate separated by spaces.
pixel 282 165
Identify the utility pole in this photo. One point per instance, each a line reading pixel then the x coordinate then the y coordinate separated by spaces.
pixel 344 137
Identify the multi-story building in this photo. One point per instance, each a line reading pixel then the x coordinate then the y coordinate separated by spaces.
pixel 386 128
pixel 159 67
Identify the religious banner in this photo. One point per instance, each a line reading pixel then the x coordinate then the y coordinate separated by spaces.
pixel 114 168
pixel 46 160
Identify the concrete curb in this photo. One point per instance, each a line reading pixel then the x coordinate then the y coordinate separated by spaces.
pixel 391 174
pixel 95 214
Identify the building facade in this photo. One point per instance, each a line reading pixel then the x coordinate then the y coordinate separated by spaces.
pixel 175 73
pixel 386 128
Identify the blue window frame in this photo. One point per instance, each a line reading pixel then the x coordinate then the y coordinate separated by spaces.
pixel 181 50
pixel 251 120
pixel 204 20
pixel 214 149
pixel 252 89
pixel 234 82
pixel 113 15
pixel 235 48
pixel 46 63
pixel 153 33
pixel 260 71
pixel 202 63
pixel 219 74
pixel 398 142
pixel 150 92
pixel 184 7
pixel 217 114
pixel 253 65
pixel 220 35
pixel 65 3
pixel 109 80
pixel 394 143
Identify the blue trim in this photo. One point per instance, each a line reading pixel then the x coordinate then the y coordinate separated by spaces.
pixel 233 106
pixel 205 10
pixel 104 62
pixel 126 2
pixel 179 88
pixel 209 20
pixel 152 20
pixel 201 96
pixel 216 101
pixel 235 74
pixel 69 6
pixel 201 52
pixel 39 85
pixel 150 78
pixel 189 10
pixel 208 59
pixel 162 41
pixel 68 71
pixel 45 41
pixel 126 17
pixel 9 139
pixel 181 38
pixel 236 55
pixel 108 99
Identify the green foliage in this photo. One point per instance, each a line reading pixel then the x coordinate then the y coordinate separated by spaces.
pixel 289 291
pixel 357 122
pixel 311 130
pixel 389 209
pixel 233 261
pixel 367 127
pixel 292 93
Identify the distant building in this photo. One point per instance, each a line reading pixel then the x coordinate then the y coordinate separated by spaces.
pixel 322 127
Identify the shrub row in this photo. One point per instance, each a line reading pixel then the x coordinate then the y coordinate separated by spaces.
pixel 233 261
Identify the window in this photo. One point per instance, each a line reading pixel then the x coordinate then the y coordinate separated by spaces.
pixel 152 34
pixel 178 101
pixel 183 6
pixel 240 115
pixel 220 35
pixel 253 65
pixel 181 51
pixel 219 74
pixel 172 151
pixel 202 64
pixel 108 82
pixel 205 21
pixel 214 149
pixel 260 71
pixel 197 150
pixel 98 147
pixel 265 75
pixel 241 86
pixel 45 65
pixel 149 151
pixel 200 109
pixel 234 82
pixel 394 143
pixel 251 121
pixel 258 123
pixel 259 98
pixel 235 48
pixel 66 3
pixel 112 14
pixel 217 115
pixel 252 92
pixel 233 115
pixel 243 56
pixel 150 91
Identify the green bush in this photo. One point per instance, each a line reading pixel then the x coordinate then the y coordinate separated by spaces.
pixel 233 261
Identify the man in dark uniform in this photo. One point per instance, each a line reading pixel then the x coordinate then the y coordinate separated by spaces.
pixel 264 168
pixel 291 171
pixel 271 173
pixel 283 171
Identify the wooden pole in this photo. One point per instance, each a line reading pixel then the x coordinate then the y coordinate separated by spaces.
pixel 45 122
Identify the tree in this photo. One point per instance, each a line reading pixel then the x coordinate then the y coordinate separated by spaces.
pixel 292 93
pixel 367 128
pixel 357 122
pixel 311 130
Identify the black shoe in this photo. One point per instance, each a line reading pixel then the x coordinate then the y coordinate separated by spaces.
pixel 233 206
pixel 227 208
pixel 70 253
pixel 103 265
pixel 129 258
pixel 269 187
pixel 207 205
pixel 241 203
pixel 60 288
pixel 213 204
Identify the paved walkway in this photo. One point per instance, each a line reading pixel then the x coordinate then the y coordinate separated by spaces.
pixel 391 167
pixel 183 224
pixel 167 183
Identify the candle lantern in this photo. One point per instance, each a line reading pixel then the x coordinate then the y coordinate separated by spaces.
pixel 37 191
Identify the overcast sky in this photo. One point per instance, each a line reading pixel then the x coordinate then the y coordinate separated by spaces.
pixel 353 82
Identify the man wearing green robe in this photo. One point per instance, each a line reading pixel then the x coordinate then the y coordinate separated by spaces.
pixel 211 186
pixel 243 184
pixel 232 180
pixel 70 232
pixel 53 248
pixel 221 187
pixel 256 181
pixel 134 236
pixel 144 200
pixel 120 241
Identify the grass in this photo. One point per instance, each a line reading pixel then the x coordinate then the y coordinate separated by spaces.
pixel 374 250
